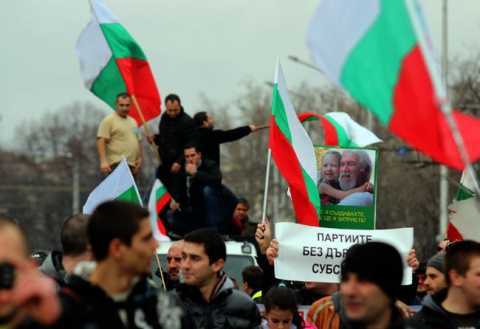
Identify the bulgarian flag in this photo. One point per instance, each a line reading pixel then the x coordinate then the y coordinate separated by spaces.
pixel 159 199
pixel 379 51
pixel 339 129
pixel 112 62
pixel 119 185
pixel 464 212
pixel 293 153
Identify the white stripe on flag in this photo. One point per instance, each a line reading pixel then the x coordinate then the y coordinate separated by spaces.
pixel 301 142
pixel 119 181
pixel 335 29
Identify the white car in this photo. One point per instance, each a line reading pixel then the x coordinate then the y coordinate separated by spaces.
pixel 239 256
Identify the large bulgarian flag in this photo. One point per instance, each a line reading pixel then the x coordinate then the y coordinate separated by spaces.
pixel 159 199
pixel 112 62
pixel 339 129
pixel 464 212
pixel 119 185
pixel 293 153
pixel 379 51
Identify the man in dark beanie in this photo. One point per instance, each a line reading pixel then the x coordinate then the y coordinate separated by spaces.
pixel 371 275
pixel 435 273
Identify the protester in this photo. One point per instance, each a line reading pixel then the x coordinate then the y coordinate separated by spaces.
pixel 209 139
pixel 75 248
pixel 174 132
pixel 208 295
pixel 252 277
pixel 371 275
pixel 457 306
pixel 116 293
pixel 197 193
pixel 420 276
pixel 174 261
pixel 435 274
pixel 238 225
pixel 281 311
pixel 28 298
pixel 117 138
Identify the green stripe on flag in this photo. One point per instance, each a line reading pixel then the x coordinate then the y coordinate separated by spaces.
pixel 160 192
pixel 109 83
pixel 121 42
pixel 343 139
pixel 129 195
pixel 278 111
pixel 464 193
pixel 385 45
pixel 312 191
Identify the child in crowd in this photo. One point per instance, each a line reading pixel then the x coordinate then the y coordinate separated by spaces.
pixel 281 310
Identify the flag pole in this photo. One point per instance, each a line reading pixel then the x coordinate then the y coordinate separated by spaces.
pixel 265 192
pixel 160 269
pixel 440 89
pixel 145 124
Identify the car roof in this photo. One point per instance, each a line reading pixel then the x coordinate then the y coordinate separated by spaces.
pixel 233 248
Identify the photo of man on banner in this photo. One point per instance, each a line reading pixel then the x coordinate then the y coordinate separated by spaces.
pixel 346 187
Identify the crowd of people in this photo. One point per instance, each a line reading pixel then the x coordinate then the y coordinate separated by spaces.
pixel 103 277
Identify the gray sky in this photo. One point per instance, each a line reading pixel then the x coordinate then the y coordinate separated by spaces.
pixel 194 47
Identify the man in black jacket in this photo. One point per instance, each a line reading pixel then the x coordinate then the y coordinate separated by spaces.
pixel 174 132
pixel 457 306
pixel 196 194
pixel 207 294
pixel 115 292
pixel 209 139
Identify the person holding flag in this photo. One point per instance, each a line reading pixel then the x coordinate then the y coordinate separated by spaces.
pixel 112 64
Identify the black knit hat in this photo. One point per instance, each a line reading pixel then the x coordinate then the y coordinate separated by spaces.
pixel 376 262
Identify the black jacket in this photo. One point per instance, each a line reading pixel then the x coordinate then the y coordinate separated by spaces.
pixel 209 140
pixel 88 306
pixel 433 316
pixel 188 190
pixel 173 135
pixel 228 309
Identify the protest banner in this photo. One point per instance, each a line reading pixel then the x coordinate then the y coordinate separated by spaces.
pixel 347 187
pixel 308 253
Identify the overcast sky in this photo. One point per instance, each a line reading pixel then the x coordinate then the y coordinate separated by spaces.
pixel 194 47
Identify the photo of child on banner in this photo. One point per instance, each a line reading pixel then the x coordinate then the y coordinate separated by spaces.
pixel 347 180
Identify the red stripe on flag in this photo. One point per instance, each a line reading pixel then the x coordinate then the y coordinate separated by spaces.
pixel 289 166
pixel 161 204
pixel 452 233
pixel 418 120
pixel 330 136
pixel 140 82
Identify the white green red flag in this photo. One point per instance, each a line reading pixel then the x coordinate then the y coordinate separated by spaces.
pixel 293 153
pixel 464 212
pixel 159 199
pixel 112 62
pixel 119 185
pixel 379 51
pixel 339 129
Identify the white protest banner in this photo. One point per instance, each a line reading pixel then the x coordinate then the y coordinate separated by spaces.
pixel 308 253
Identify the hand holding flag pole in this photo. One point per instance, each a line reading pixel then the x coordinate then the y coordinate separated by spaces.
pixel 146 127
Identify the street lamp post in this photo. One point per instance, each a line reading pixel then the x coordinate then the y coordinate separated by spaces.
pixel 443 220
